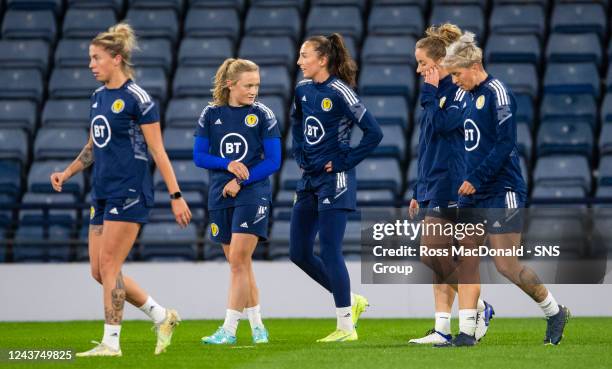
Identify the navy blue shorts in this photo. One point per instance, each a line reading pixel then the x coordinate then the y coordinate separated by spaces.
pixel 502 213
pixel 251 219
pixel 328 191
pixel 443 209
pixel 121 210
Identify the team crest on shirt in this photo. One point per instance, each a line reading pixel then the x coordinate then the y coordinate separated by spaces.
pixel 118 106
pixel 480 102
pixel 92 213
pixel 214 229
pixel 251 120
pixel 442 101
pixel 326 104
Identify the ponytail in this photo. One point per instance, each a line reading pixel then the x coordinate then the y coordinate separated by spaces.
pixel 119 40
pixel 339 60
pixel 230 70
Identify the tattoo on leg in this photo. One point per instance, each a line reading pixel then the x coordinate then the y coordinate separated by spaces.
pixel 96 229
pixel 114 315
pixel 531 284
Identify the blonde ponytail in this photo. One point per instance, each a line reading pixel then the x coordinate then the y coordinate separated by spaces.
pixel 119 40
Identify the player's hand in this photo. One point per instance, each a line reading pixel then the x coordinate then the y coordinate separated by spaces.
pixel 413 209
pixel 231 188
pixel 328 167
pixel 466 189
pixel 58 179
pixel 432 76
pixel 181 212
pixel 239 170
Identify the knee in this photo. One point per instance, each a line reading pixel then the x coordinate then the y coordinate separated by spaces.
pixel 239 265
pixel 108 268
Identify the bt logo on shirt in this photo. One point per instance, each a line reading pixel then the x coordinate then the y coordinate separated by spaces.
pixel 100 131
pixel 472 135
pixel 313 130
pixel 233 146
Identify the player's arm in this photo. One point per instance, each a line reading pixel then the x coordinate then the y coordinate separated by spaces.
pixel 82 162
pixel 443 120
pixel 271 163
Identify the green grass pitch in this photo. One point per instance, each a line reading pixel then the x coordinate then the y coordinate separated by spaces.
pixel 510 343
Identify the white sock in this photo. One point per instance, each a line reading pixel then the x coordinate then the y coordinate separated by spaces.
pixel 443 322
pixel 467 321
pixel 352 299
pixel 155 311
pixel 232 317
pixel 549 306
pixel 111 336
pixel 345 319
pixel 480 305
pixel 254 315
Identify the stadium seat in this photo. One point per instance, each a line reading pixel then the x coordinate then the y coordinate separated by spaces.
pixel 361 4
pixel 388 50
pixel 423 4
pixel 87 23
pixel 72 53
pixel 154 81
pixel 212 23
pixel 393 143
pixel 265 50
pixel 184 113
pixel 290 174
pixel 565 138
pixel 66 113
pixel 605 139
pixel 193 81
pixel 518 19
pixel 59 143
pixel 523 140
pixel 54 5
pixel 379 174
pixel 345 20
pixel 22 84
pixel 14 145
pixel 18 114
pixel 164 214
pixel 176 5
pixel 190 177
pixel 65 217
pixel 279 239
pixel 605 171
pixel 179 143
pixel 396 20
pixel 387 80
pixel 513 49
pixel 411 175
pixel 116 5
pixel 563 170
pixel 604 192
pixel 278 107
pixel 524 109
pixel 606 109
pixel 31 245
pixel 30 24
pixel 559 193
pixel 24 54
pixel 238 5
pixel 275 81
pixel 10 177
pixel 572 78
pixel 467 17
pixel 204 52
pixel 66 83
pixel 568 234
pixel 168 242
pixel 569 107
pixel 521 78
pixel 154 53
pixel 574 48
pixel 38 178
pixel 579 18
pixel 388 110
pixel 155 23
pixel 273 21
pixel 375 198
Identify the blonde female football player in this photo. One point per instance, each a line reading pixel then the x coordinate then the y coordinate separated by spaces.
pixel 125 135
pixel 238 141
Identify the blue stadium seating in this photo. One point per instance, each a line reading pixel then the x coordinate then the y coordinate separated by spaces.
pixel 388 110
pixel 87 23
pixel 563 170
pixel 290 174
pixel 272 21
pixel 361 4
pixel 521 78
pixel 572 78
pixel 265 50
pixel 565 138
pixel 396 20
pixel 379 174
pixel 190 177
pixel 24 54
pixel 206 52
pixel 156 23
pixel 606 109
pixel 72 53
pixel 65 217
pixel 609 78
pixel 567 233
pixel 604 192
pixel 30 24
pixel 387 80
pixel 168 242
pixel 18 114
pixel 279 239
pixel 275 81
pixel 179 142
pixel 38 177
pixel 411 175
pixel 31 245
pixel 524 109
pixel 605 171
pixel 345 20
pixel 21 84
pixel 574 48
pixel 467 17
pixel 66 83
pixel 393 143
pixel 193 82
pixel 14 145
pixel 66 113
pixel 579 17
pixel 154 53
pixel 212 23
pixel 184 113
pixel 503 48
pixel 165 214
pixel 10 177
pixel 569 107
pixel 54 5
pixel 605 139
pixel 278 107
pixel 388 50
pixel 236 4
pixel 59 143
pixel 557 193
pixel 154 81
pixel 518 19
pixel 523 140
pixel 176 5
pixel 116 5
pixel 375 198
